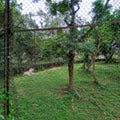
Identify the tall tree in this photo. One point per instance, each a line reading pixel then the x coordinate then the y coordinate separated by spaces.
pixel 109 44
pixel 69 8
pixel 99 34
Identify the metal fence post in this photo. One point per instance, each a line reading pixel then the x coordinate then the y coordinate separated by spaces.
pixel 7 33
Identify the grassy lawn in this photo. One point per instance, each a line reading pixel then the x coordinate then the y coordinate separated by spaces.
pixel 41 95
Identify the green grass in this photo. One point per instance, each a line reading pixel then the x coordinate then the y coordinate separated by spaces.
pixel 40 96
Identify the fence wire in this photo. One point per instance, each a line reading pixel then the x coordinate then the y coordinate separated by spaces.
pixel 64 59
pixel 1 73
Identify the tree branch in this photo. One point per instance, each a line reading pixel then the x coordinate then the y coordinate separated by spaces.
pixel 91 28
pixel 77 9
pixel 65 20
pixel 99 15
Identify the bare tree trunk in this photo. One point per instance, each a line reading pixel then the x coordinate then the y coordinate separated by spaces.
pixel 85 61
pixel 71 54
pixel 93 62
pixel 70 69
pixel 88 66
pixel 94 69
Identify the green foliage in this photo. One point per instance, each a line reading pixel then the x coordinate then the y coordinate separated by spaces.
pixel 115 28
pixel 88 47
pixel 2 6
pixel 2 98
pixel 100 11
pixel 54 47
pixel 98 6
pixel 53 8
pixel 63 7
pixel 105 34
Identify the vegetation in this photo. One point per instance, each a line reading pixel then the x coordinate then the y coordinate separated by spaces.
pixel 44 95
pixel 62 92
pixel 101 36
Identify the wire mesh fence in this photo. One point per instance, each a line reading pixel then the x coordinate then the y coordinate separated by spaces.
pixel 60 58
pixel 1 72
pixel 1 61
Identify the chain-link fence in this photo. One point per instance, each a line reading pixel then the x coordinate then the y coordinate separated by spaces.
pixel 60 59
pixel 2 64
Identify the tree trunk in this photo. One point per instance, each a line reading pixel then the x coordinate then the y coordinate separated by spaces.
pixel 94 69
pixel 70 69
pixel 85 61
pixel 89 65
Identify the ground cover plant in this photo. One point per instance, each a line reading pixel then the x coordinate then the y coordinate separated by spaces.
pixel 43 95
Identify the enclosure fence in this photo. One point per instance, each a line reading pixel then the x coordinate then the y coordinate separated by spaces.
pixel 31 38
